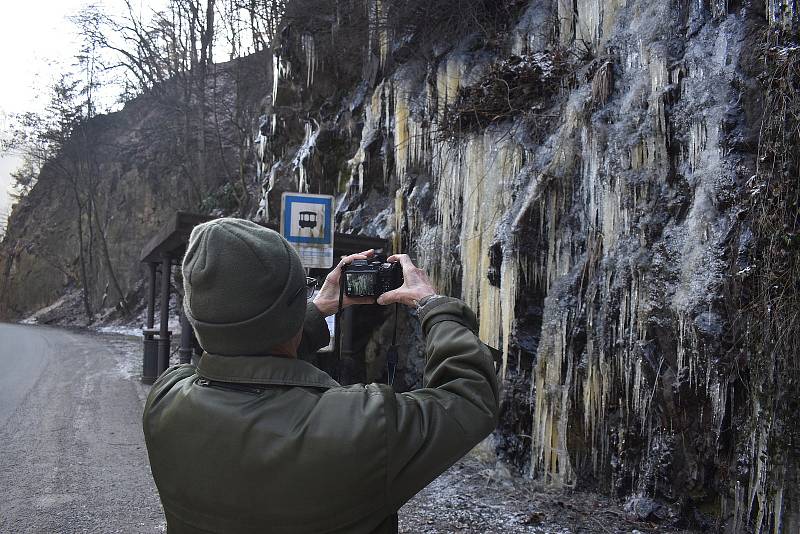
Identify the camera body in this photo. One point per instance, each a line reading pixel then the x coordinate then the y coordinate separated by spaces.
pixel 364 278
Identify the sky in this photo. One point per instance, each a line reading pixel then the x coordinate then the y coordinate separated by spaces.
pixel 37 43
pixel 35 38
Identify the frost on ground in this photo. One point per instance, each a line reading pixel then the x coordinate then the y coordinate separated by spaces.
pixel 128 352
pixel 473 497
pixel 121 329
pixel 69 311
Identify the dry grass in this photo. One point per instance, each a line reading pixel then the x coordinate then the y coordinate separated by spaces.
pixel 774 322
pixel 521 85
pixel 766 307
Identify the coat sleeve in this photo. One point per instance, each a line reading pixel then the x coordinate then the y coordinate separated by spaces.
pixel 315 331
pixel 429 429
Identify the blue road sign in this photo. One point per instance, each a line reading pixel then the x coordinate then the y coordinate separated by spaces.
pixel 307 223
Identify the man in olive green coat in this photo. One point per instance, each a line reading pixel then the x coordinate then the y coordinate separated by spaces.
pixel 254 440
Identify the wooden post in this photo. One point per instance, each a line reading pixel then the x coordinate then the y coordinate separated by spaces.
pixel 151 300
pixel 164 333
pixel 150 344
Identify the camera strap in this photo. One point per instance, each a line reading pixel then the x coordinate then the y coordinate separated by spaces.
pixel 337 332
pixel 392 356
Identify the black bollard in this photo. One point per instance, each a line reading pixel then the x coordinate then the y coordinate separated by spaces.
pixel 150 359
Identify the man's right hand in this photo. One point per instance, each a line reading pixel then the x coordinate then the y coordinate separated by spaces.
pixel 327 300
pixel 416 284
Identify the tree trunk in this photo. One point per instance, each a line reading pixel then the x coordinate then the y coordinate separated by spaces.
pixel 87 304
pixel 107 257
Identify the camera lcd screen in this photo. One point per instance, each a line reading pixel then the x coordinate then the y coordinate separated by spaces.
pixel 361 284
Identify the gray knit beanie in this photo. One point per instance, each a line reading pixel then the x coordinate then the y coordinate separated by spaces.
pixel 243 287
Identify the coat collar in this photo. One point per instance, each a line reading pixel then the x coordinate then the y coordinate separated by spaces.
pixel 272 370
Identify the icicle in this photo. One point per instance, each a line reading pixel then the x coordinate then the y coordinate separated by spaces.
pixel 266 188
pixel 602 84
pixel 276 77
pixel 473 195
pixel 401 136
pixel 697 142
pixel 448 82
pixel 280 69
pixel 399 211
pixel 659 75
pixel 261 144
pixel 378 31
pixel 782 13
pixel 719 397
pixel 309 48
pixel 549 454
pixel 448 164
pixel 587 21
pixel 373 120
pixel 304 153
pixel 566 21
pixel 587 26
pixel 383 33
pixel 509 281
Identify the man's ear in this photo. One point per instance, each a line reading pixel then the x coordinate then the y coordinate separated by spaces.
pixel 298 337
pixel 288 347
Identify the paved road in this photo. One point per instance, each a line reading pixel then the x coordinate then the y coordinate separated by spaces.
pixel 72 455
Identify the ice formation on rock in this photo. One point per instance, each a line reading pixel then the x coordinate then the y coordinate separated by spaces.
pixel 608 228
pixel 304 153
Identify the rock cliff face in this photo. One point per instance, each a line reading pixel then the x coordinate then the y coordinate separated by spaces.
pixel 117 180
pixel 608 183
pixel 579 172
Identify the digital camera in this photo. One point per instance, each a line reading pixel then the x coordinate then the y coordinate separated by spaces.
pixel 364 278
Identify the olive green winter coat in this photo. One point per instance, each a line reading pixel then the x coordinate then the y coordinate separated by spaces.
pixel 255 444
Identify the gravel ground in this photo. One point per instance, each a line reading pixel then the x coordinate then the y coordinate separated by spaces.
pixel 473 497
pixel 72 455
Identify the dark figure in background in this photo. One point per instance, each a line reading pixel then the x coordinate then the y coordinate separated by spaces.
pixel 254 440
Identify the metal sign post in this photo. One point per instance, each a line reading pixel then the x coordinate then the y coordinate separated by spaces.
pixel 307 223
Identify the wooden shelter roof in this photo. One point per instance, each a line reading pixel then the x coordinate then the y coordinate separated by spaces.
pixel 174 236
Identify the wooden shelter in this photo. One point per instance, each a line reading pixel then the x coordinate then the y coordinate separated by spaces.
pixel 166 249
